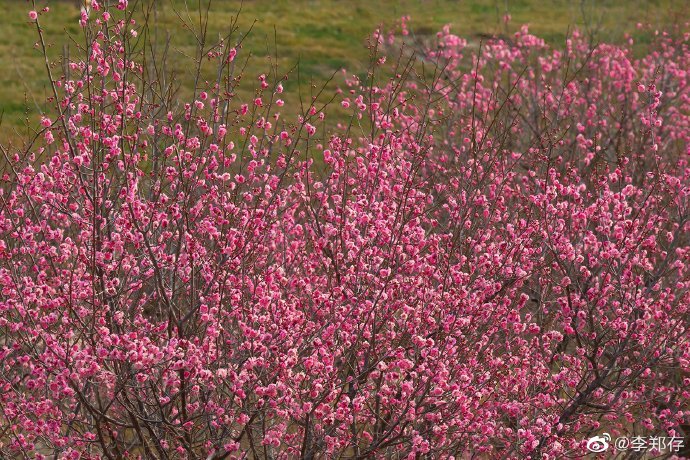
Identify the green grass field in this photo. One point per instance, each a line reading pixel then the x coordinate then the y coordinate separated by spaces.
pixel 323 35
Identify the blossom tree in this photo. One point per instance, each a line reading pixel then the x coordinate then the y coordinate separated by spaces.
pixel 489 257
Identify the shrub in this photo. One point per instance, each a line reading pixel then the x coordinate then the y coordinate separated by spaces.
pixel 490 257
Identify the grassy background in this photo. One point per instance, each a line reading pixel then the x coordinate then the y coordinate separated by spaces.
pixel 324 35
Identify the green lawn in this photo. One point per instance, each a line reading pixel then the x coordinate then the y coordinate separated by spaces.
pixel 324 35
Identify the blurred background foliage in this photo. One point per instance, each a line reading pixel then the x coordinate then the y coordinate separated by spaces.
pixel 323 36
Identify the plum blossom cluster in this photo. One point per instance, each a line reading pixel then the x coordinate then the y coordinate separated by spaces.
pixel 491 259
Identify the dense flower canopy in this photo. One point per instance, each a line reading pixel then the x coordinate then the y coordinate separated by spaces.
pixel 491 257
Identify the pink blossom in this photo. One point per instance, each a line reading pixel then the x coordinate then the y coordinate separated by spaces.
pixel 495 268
